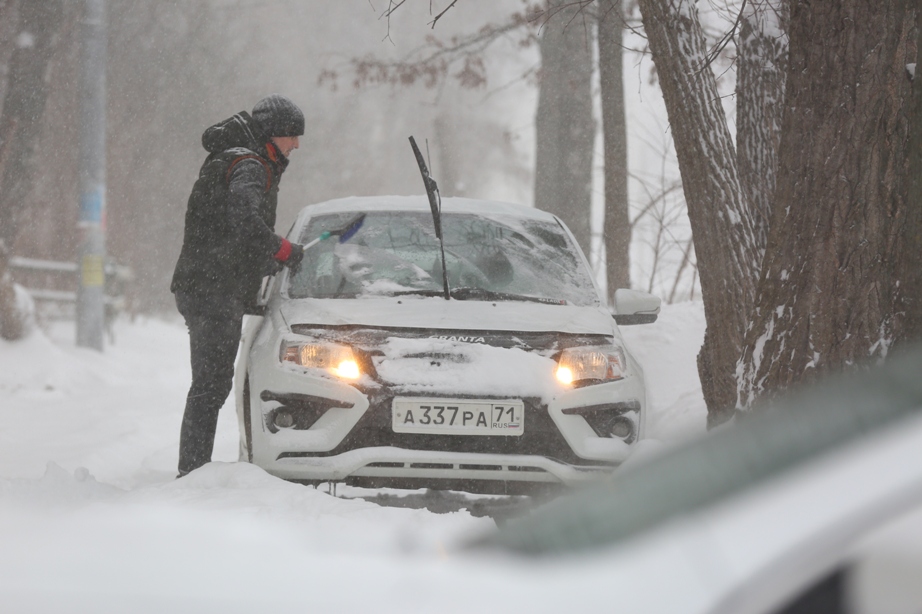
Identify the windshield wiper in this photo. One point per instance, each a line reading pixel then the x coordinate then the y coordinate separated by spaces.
pixel 468 293
pixel 420 292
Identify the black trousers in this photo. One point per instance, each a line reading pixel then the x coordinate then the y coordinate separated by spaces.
pixel 213 342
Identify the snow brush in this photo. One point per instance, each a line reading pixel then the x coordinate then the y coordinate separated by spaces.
pixel 345 233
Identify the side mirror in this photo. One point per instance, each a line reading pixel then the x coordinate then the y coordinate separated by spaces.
pixel 635 307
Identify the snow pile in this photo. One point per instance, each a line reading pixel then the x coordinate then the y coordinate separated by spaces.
pixel 668 351
pixel 115 413
pixel 229 536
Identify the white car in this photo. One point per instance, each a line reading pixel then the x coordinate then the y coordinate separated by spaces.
pixel 369 368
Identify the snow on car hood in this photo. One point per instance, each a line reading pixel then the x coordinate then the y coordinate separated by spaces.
pixel 449 346
pixel 427 366
pixel 453 315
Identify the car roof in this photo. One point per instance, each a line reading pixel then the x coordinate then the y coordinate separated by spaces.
pixel 364 204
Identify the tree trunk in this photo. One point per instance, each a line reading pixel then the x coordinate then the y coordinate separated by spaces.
pixel 617 228
pixel 762 48
pixel 831 294
pixel 719 208
pixel 564 126
pixel 8 25
pixel 908 268
pixel 20 126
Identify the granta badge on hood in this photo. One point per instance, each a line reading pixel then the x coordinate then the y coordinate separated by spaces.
pixel 459 338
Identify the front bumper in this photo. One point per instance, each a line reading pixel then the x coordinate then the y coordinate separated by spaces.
pixel 343 432
pixel 386 464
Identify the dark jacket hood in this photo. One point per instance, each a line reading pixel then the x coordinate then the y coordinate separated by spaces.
pixel 241 130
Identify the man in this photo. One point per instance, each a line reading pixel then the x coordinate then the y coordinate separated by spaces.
pixel 229 245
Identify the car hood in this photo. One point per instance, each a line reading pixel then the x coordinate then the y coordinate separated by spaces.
pixel 452 315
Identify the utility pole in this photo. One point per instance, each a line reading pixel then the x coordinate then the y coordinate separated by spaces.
pixel 91 295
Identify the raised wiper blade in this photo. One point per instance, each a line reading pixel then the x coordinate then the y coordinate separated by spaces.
pixel 471 293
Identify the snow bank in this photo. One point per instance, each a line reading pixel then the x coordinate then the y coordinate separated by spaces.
pixel 116 413
pixel 668 351
pixel 228 536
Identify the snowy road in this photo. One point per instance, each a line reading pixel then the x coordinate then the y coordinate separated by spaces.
pixel 92 520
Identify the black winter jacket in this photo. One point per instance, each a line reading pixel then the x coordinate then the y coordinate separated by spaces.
pixel 229 239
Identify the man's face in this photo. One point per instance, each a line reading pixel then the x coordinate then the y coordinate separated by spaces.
pixel 286 144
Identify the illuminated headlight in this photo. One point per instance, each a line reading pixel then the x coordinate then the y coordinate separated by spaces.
pixel 591 363
pixel 337 359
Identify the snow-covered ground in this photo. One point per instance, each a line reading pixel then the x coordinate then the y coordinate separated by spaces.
pixel 91 519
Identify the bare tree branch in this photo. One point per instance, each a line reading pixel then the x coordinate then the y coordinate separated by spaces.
pixel 432 61
pixel 439 16
pixel 725 40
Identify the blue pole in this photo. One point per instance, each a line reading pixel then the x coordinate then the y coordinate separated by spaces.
pixel 92 173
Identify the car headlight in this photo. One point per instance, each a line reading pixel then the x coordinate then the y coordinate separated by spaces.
pixel 337 359
pixel 591 363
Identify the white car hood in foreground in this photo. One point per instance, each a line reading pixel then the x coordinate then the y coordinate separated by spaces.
pixel 451 315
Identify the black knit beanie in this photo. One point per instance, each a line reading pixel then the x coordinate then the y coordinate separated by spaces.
pixel 279 116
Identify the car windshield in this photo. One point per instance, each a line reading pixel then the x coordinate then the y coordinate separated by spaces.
pixel 394 253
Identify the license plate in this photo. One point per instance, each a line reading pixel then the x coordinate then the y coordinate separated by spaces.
pixel 458 417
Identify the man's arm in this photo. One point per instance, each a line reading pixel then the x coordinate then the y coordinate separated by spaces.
pixel 247 189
